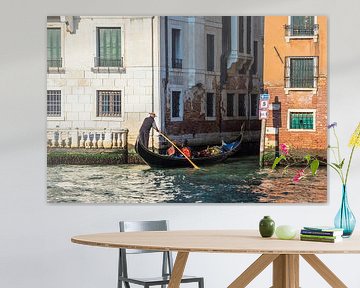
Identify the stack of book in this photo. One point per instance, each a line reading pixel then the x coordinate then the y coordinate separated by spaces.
pixel 321 234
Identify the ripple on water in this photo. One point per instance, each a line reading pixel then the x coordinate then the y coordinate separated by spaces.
pixel 235 181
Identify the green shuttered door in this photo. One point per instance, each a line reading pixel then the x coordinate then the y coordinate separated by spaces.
pixel 54 47
pixel 109 47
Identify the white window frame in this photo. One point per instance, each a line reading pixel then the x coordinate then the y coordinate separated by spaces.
pixel 301 111
pixel 62 27
pixel 246 97
pixel 226 117
pixel 94 105
pixel 181 39
pixel 252 117
pixel 62 116
pixel 215 50
pixel 315 37
pixel 287 74
pixel 181 105
pixel 210 118
pixel 94 36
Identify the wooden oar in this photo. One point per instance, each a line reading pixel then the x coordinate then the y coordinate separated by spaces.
pixel 187 158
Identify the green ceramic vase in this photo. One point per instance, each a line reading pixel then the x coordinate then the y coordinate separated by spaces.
pixel 266 226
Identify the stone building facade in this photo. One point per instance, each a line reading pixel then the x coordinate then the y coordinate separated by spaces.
pixel 295 76
pixel 200 75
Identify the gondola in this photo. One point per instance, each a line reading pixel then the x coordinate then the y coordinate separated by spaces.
pixel 156 160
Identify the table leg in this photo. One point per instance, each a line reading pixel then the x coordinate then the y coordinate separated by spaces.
pixel 324 271
pixel 178 270
pixel 286 271
pixel 253 270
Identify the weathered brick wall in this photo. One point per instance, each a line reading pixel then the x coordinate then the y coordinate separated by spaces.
pixel 299 140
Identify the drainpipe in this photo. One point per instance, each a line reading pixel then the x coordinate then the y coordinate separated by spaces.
pixel 166 81
pixel 152 77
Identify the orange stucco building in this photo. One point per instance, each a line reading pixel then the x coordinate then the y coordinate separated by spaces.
pixel 295 76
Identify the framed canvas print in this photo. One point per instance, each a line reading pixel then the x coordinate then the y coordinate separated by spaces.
pixel 186 109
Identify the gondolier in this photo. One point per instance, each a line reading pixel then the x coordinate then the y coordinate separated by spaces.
pixel 148 123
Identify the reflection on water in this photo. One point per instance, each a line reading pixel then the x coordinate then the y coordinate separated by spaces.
pixel 229 182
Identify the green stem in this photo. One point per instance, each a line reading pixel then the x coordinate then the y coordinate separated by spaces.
pixel 339 155
pixel 336 169
pixel 334 154
pixel 337 144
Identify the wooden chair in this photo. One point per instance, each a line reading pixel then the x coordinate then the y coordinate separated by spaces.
pixel 167 262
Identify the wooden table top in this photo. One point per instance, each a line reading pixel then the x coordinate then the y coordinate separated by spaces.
pixel 217 241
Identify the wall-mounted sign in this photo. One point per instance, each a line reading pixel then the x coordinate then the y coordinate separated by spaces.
pixel 263 114
pixel 265 97
pixel 264 106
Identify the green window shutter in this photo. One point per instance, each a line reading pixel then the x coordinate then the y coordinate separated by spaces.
pixel 109 40
pixel 54 47
pixel 302 73
pixel 302 25
pixel 303 120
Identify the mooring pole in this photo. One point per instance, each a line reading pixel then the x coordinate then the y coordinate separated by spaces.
pixel 262 142
pixel 263 115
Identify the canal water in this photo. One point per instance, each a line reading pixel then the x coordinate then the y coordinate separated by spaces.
pixel 236 181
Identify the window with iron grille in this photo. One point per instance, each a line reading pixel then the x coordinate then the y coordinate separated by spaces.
pixel 301 26
pixel 175 104
pixel 176 48
pixel 109 103
pixel 54 47
pixel 242 105
pixel 230 105
pixel 301 72
pixel 301 120
pixel 210 105
pixel 109 47
pixel 210 45
pixel 53 103
pixel 254 105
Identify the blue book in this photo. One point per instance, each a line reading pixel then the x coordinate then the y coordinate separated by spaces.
pixel 322 231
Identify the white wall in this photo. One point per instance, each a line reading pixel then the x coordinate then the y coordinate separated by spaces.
pixel 35 248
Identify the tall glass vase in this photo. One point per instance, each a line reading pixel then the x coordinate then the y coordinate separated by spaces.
pixel 345 219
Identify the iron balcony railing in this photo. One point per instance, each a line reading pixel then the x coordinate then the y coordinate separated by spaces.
pixel 54 63
pixel 176 63
pixel 101 62
pixel 301 30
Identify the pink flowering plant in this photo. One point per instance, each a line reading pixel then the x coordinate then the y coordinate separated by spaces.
pixel 312 163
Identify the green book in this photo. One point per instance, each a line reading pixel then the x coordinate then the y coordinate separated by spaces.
pixel 324 228
pixel 319 236
pixel 325 239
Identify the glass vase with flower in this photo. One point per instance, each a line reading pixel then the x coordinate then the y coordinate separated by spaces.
pixel 344 218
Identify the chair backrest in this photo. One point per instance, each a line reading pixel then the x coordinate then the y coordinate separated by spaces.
pixel 134 226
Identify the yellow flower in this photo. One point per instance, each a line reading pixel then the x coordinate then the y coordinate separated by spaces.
pixel 355 138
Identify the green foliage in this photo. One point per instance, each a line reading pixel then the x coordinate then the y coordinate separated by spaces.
pixel 277 160
pixel 307 158
pixel 314 166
